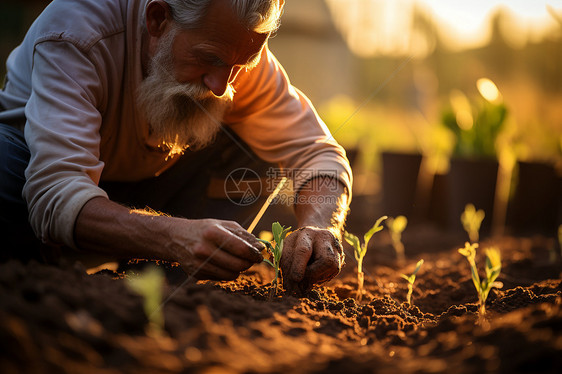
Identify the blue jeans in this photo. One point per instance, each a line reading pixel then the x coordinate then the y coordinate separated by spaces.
pixel 184 190
pixel 16 236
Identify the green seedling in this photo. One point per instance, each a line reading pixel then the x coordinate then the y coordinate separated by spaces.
pixel 359 251
pixel 475 123
pixel 411 279
pixel 279 233
pixel 396 227
pixel 493 268
pixel 471 220
pixel 149 285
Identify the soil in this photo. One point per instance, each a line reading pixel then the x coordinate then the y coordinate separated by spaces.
pixel 60 319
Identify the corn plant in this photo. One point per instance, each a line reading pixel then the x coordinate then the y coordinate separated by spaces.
pixel 471 221
pixel 359 251
pixel 149 285
pixel 396 227
pixel 411 279
pixel 493 268
pixel 279 233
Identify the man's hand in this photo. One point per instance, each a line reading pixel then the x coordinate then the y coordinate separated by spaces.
pixel 206 248
pixel 310 255
pixel 313 253
pixel 214 249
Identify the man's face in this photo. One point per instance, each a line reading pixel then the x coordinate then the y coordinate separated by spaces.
pixel 188 86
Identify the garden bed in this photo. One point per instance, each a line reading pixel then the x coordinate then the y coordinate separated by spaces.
pixel 60 319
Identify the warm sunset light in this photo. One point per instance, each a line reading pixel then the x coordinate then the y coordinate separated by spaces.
pixel 488 90
pixel 384 193
pixel 399 27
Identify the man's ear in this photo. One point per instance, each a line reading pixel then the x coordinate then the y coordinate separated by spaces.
pixel 157 15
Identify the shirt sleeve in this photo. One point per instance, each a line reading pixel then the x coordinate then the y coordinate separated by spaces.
pixel 281 126
pixel 62 131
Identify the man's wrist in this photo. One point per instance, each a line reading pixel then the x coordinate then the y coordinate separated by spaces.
pixel 329 215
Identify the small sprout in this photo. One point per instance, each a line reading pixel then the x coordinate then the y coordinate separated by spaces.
pixel 493 268
pixel 396 227
pixel 278 235
pixel 411 279
pixel 359 251
pixel 149 285
pixel 471 220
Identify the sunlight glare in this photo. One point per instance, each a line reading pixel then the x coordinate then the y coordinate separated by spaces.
pixel 388 27
pixel 488 90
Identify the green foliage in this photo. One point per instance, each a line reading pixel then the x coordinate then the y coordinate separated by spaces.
pixel 359 250
pixel 471 221
pixel 475 124
pixel 411 279
pixel 276 249
pixel 397 226
pixel 149 284
pixel 493 268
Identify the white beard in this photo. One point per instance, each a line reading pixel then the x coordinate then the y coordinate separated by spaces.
pixel 180 114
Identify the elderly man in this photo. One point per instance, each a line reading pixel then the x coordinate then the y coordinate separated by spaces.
pixel 115 91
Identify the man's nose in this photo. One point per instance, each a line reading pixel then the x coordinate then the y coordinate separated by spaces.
pixel 217 79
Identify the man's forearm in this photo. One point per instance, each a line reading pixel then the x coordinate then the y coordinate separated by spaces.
pixel 106 227
pixel 324 203
pixel 205 248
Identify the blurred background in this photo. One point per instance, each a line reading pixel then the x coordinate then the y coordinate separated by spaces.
pixel 424 77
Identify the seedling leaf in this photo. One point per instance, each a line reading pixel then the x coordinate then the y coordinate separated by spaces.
pixel 418 266
pixel 397 226
pixel 493 264
pixel 354 242
pixel 411 279
pixel 407 277
pixel 267 244
pixel 376 228
pixel 492 269
pixel 471 221
pixel 269 262
pixel 279 234
pixel 359 251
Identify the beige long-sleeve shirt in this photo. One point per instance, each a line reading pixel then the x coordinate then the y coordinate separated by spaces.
pixel 76 73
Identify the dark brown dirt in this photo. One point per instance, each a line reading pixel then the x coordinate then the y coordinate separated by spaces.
pixel 59 319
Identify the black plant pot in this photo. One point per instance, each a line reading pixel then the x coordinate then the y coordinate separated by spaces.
pixel 399 181
pixel 472 180
pixel 437 210
pixel 352 155
pixel 534 205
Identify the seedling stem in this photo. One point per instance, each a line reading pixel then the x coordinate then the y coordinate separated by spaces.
pixel 279 233
pixel 359 251
pixel 411 279
pixel 396 227
pixel 493 268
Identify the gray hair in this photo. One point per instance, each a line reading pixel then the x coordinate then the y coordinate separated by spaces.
pixel 261 16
